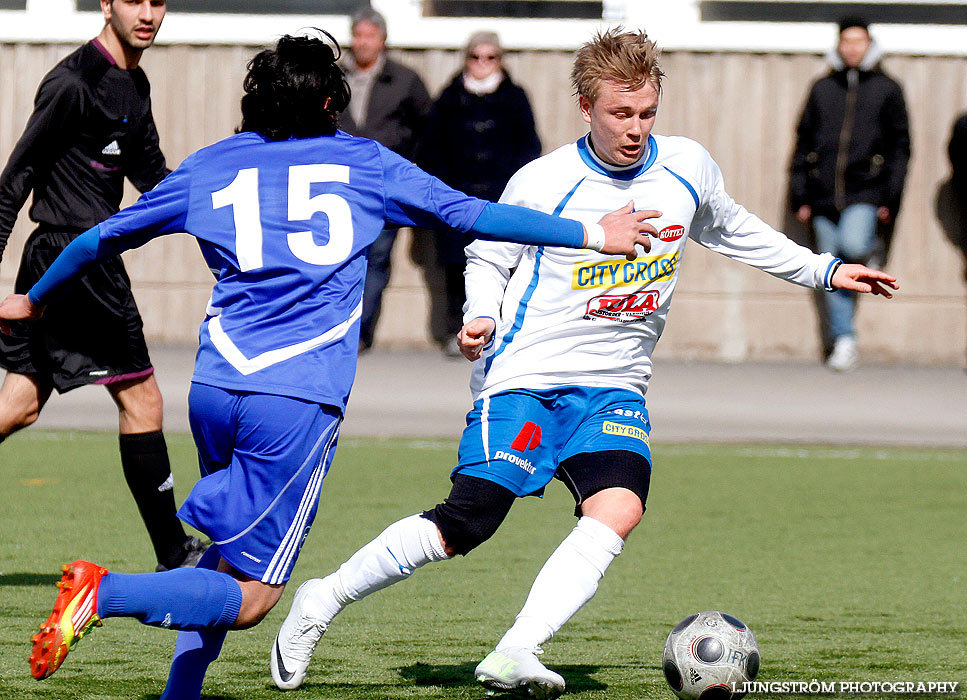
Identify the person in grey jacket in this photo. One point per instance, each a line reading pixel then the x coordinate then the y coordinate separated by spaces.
pixel 849 166
pixel 389 104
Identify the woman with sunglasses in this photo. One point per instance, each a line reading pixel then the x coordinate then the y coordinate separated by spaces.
pixel 480 132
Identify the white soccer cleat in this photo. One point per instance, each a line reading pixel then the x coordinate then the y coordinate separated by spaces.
pixel 296 640
pixel 517 670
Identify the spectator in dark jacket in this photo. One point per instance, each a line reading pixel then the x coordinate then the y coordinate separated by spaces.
pixel 480 132
pixel 849 166
pixel 389 104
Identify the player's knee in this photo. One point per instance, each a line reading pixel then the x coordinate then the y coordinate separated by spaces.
pixel 461 531
pixel 140 405
pixel 257 601
pixel 151 403
pixel 471 513
pixel 618 508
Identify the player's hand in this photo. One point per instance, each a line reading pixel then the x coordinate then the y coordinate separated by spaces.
pixel 859 278
pixel 804 213
pixel 18 307
pixel 626 228
pixel 474 336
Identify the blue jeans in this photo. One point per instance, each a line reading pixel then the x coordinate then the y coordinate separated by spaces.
pixel 377 277
pixel 851 239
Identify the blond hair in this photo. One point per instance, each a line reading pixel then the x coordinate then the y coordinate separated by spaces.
pixel 627 58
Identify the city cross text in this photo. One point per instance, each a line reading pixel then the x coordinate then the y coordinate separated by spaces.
pixel 624 273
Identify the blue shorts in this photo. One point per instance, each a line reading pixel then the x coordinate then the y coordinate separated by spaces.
pixel 263 458
pixel 518 438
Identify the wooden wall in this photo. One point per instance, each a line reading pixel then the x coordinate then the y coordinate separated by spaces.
pixel 742 107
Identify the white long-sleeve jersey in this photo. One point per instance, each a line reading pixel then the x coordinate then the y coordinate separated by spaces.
pixel 578 317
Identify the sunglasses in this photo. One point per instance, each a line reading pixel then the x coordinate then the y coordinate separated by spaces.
pixel 481 57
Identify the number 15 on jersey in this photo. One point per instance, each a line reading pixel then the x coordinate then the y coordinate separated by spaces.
pixel 243 196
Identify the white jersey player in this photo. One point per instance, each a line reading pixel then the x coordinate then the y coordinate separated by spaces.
pixel 570 316
pixel 563 342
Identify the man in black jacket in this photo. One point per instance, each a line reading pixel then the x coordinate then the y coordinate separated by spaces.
pixel 849 166
pixel 389 104
pixel 92 126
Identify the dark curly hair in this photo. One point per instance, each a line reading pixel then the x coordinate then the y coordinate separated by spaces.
pixel 296 90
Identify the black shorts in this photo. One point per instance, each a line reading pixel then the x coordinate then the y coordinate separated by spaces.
pixel 91 331
pixel 587 473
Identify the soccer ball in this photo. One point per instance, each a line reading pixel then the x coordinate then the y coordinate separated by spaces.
pixel 710 656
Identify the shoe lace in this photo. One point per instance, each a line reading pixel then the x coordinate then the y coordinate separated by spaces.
pixel 307 635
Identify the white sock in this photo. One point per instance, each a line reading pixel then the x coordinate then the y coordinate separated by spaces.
pixel 400 549
pixel 568 580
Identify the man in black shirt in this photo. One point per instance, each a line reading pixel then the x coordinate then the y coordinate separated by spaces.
pixel 92 126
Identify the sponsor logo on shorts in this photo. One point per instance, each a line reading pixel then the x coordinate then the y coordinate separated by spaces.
pixel 618 272
pixel 97 373
pixel 628 413
pixel 671 233
pixel 625 431
pixel 255 559
pixel 528 438
pixel 624 308
pixel 524 464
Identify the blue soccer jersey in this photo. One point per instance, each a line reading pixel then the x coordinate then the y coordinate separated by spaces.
pixel 285 227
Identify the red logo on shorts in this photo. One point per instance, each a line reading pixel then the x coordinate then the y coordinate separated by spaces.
pixel 528 438
pixel 671 233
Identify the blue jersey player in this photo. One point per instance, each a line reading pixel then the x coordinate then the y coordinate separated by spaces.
pixel 284 212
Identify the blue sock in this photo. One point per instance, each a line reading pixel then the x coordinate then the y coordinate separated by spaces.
pixel 181 599
pixel 194 651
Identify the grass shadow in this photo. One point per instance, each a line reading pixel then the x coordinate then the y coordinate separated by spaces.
pixel 29 579
pixel 578 676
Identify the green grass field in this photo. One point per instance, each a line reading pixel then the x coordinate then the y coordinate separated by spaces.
pixel 848 564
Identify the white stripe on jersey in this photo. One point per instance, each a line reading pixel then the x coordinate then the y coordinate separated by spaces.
pixel 247 366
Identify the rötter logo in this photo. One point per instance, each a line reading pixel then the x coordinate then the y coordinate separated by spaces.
pixel 671 233
pixel 528 438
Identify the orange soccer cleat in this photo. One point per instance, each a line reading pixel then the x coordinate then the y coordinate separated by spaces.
pixel 74 615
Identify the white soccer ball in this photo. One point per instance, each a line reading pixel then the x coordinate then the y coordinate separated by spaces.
pixel 710 655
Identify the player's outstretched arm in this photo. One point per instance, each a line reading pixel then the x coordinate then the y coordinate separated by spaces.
pixel 617 233
pixel 474 336
pixel 859 278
